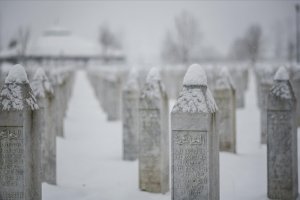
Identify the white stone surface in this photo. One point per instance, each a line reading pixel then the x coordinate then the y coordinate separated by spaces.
pixel 194 142
pixel 282 140
pixel 153 136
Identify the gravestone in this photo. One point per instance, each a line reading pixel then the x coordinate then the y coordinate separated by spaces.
pixel 224 94
pixel 195 142
pixel 130 97
pixel 296 86
pixel 265 86
pixel 282 139
pixel 19 143
pixel 153 136
pixel 44 123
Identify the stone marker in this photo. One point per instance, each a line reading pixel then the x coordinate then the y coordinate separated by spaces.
pixel 195 143
pixel 282 139
pixel 19 143
pixel 130 100
pixel 153 136
pixel 44 123
pixel 224 94
pixel 296 86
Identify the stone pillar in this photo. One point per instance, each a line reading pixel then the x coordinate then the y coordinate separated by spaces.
pixel 265 86
pixel 19 143
pixel 195 142
pixel 224 94
pixel 282 139
pixel 44 123
pixel 130 100
pixel 296 86
pixel 153 136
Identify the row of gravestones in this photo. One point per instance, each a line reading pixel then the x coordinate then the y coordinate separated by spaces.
pixel 31 115
pixel 114 78
pixel 264 74
pixel 202 123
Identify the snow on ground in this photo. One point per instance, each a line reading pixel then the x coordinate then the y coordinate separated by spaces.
pixel 90 165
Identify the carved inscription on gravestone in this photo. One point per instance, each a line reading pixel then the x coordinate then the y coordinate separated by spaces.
pixel 190 168
pixel 280 181
pixel 150 171
pixel 11 163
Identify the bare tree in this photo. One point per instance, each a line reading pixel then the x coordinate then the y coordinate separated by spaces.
pixel 180 44
pixel 108 41
pixel 249 47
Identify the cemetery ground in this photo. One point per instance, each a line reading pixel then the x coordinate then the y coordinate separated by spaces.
pixel 90 165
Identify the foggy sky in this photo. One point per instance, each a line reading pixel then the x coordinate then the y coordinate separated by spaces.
pixel 142 24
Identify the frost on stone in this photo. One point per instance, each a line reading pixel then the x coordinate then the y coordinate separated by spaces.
pixel 17 96
pixel 224 80
pixel 195 75
pixel 41 85
pixel 282 74
pixel 132 83
pixel 281 87
pixel 17 74
pixel 195 95
pixel 153 87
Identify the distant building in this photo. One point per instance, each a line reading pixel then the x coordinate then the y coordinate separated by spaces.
pixel 58 45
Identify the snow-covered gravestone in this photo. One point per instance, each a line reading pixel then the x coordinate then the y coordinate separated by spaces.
pixel 265 86
pixel 296 86
pixel 282 139
pixel 153 136
pixel 195 142
pixel 130 100
pixel 19 144
pixel 43 121
pixel 224 94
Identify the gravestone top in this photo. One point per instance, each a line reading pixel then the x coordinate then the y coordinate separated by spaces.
pixel 153 75
pixel 195 96
pixel 281 87
pixel 224 80
pixel 282 74
pixel 195 76
pixel 41 85
pixel 153 89
pixel 132 82
pixel 16 74
pixel 16 93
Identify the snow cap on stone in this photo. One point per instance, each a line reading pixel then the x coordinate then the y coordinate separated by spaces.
pixel 41 84
pixel 17 74
pixel 16 93
pixel 153 75
pixel 132 83
pixel 195 75
pixel 282 74
pixel 224 79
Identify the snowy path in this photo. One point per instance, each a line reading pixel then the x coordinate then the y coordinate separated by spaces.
pixel 90 165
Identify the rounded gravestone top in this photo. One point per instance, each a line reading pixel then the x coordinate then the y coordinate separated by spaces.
pixel 153 75
pixel 195 75
pixel 17 74
pixel 282 74
pixel 40 74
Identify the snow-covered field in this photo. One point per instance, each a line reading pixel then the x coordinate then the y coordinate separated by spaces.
pixel 90 165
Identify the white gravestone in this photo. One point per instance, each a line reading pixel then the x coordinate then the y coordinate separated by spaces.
pixel 19 143
pixel 282 139
pixel 130 97
pixel 224 94
pixel 194 140
pixel 153 136
pixel 44 123
pixel 296 86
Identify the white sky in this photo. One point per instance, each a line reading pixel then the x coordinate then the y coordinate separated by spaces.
pixel 143 24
